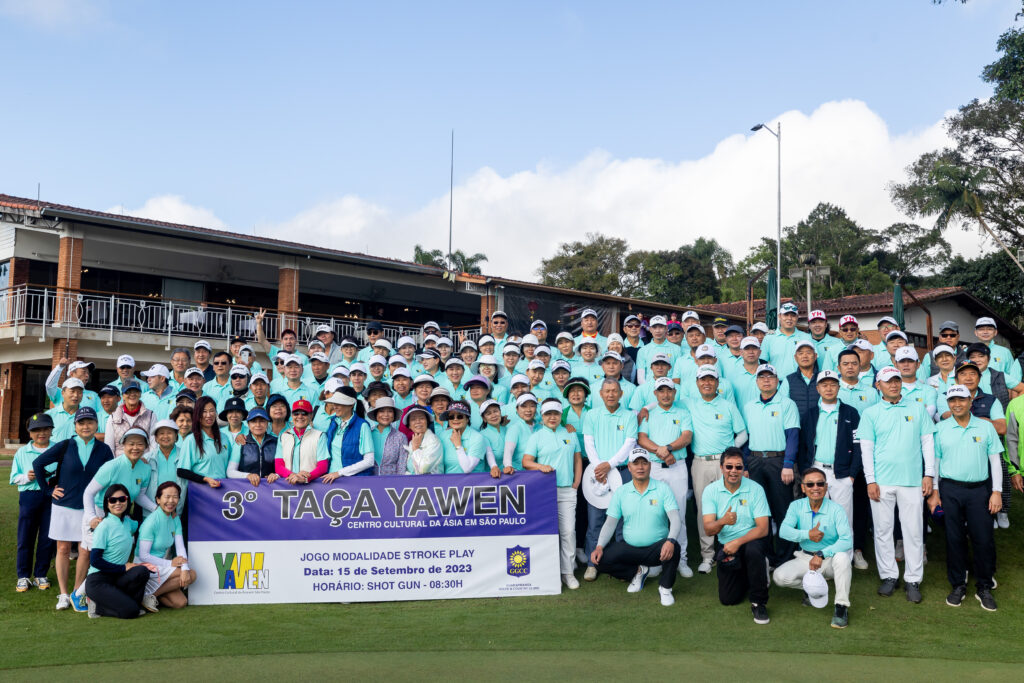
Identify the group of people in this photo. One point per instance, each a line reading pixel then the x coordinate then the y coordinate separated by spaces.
pixel 793 444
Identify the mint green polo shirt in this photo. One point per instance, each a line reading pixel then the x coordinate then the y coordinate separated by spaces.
pixel 115 538
pixel 628 390
pixel 665 426
pixel 160 530
pixel 644 515
pixel 22 464
pixel 860 396
pixel 748 502
pixel 651 349
pixel 211 462
pixel 825 436
pixel 219 393
pixel 962 453
pixel 610 430
pixel 472 442
pixel 379 438
pixel 715 425
pixel 120 471
pixel 994 413
pixel 778 349
pixel 767 422
pixel 920 393
pixel 570 418
pixel 556 448
pixel 304 391
pixel 830 520
pixel 896 431
pixel 64 423
pixel 744 386
pixel 518 433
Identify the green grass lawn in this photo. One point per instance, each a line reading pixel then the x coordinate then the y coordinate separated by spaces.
pixel 541 637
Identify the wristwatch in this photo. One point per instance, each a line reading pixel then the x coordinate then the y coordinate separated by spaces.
pixel 818 553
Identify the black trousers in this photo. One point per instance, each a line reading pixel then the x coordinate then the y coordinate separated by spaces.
pixel 750 578
pixel 967 516
pixel 34 533
pixel 117 595
pixel 861 513
pixel 768 473
pixel 621 560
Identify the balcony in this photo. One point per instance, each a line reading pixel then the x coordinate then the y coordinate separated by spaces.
pixel 54 311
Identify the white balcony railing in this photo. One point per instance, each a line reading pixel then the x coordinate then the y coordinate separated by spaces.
pixel 56 310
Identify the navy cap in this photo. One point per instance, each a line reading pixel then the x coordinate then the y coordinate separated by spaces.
pixel 675 325
pixel 109 390
pixel 978 347
pixel 719 322
pixel 40 421
pixel 128 386
pixel 734 328
pixel 85 414
pixel 233 403
pixel 374 325
pixel 185 393
pixel 256 414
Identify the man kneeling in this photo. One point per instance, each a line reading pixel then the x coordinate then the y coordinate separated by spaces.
pixel 823 532
pixel 651 522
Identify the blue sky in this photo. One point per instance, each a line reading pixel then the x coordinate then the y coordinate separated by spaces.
pixel 257 113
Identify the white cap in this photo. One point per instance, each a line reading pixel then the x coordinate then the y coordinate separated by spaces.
pixel 169 424
pixel 958 391
pixel 804 342
pixel 348 342
pixel 320 356
pixel 747 342
pixel 887 374
pixel 359 367
pixel 661 358
pixel 323 327
pixel 688 315
pixel 658 320
pixel 519 379
pixel 888 319
pixel 420 379
pixel 538 323
pixel 705 351
pixel 662 382
pixel 202 344
pixel 430 338
pixel 543 348
pixel 73 383
pixel 316 343
pixel 431 323
pixel 638 453
pixel 125 360
pixel 587 340
pixel 561 364
pixel 862 344
pixel 487 404
pixel 985 322
pixel 848 320
pixel 765 369
pixel 238 369
pixel 499 314
pixel 340 399
pixel 259 376
pixel 707 371
pixel 453 361
pixel 535 364
pixel 511 348
pixel 79 364
pixel 551 406
pixel 468 344
pixel 331 385
pixel 906 353
pixel 759 327
pixel 401 372
pixel 378 360
pixel 611 355
pixel 340 369
pixel 943 348
pixel 630 318
pixel 530 339
pixel 403 341
pixel 293 358
pixel 439 391
pixel 383 342
pixel 523 398
pixel 694 326
pixel 398 360
pixel 588 311
pixel 816 588
pixel 445 341
pixel 614 337
pixel 817 314
pixel 485 339
pixel 563 335
pixel 194 371
pixel 156 370
pixel 828 374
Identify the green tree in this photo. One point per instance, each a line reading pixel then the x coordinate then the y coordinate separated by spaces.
pixel 993 278
pixel 460 263
pixel 1007 73
pixel 910 252
pixel 434 257
pixel 596 264
pixel 679 276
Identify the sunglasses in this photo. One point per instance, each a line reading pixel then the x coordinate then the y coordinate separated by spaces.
pixel 732 467
pixel 297 413
pixel 848 328
pixel 219 362
pixel 948 334
pixel 117 499
pixel 457 416
pixel 815 484
pixel 632 326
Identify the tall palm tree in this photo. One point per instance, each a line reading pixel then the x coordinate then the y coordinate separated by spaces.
pixel 434 257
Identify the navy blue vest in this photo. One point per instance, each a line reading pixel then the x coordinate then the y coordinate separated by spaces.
pixel 350 454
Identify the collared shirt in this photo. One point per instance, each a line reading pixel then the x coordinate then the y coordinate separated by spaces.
pixel 648 351
pixel 164 468
pixel 473 443
pixel 115 537
pixel 302 392
pixel 570 417
pixel 211 462
pixel 825 436
pixel 830 519
pixel 64 422
pixel 767 422
pixel 219 392
pixel 628 390
pixel 962 453
pixel 896 429
pixel 644 515
pixel 333 451
pixel 715 425
pixel 860 396
pixel 602 341
pixel 121 471
pixel 22 465
pixel 748 502
pixel 995 413
pixel 556 448
pixel 827 347
pixel 160 529
pixel 665 426
pixel 379 437
pixel 84 448
pixel 1001 359
pixel 779 349
pixel 922 393
pixel 610 430
pixel 519 433
pixel 744 385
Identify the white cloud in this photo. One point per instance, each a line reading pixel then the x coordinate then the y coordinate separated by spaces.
pixel 54 14
pixel 173 209
pixel 841 153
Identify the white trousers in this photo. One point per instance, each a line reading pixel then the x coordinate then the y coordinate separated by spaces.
pixel 566 498
pixel 911 505
pixel 837 567
pixel 677 480
pixel 840 492
pixel 705 473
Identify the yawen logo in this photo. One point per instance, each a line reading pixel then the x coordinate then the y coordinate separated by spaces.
pixel 241 571
pixel 517 561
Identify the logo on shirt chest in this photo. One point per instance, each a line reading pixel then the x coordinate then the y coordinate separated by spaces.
pixel 653 502
pixel 675 422
pixel 719 416
pixel 774 413
pixel 908 418
pixel 565 441
pixel 976 439
pixel 618 428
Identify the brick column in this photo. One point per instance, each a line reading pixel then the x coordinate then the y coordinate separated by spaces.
pixel 287 298
pixel 69 278
pixel 10 400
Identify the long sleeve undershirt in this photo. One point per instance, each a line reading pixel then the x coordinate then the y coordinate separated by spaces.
pixel 146 553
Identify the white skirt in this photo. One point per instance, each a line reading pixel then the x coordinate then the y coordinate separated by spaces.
pixel 87 531
pixel 158 579
pixel 65 523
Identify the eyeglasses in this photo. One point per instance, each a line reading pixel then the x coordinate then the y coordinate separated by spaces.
pixel 815 484
pixel 947 334
pixel 632 326
pixel 732 467
pixel 118 499
pixel 456 416
pixel 220 362
pixel 848 328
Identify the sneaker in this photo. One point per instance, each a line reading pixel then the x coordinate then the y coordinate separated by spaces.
pixel 637 584
pixel 913 592
pixel 74 554
pixel 1003 520
pixel 142 612
pixel 858 560
pixel 150 604
pixel 995 584
pixel 956 596
pixel 667 599
pixel 22 585
pixel 42 583
pixel 685 571
pixel 92 610
pixel 704 567
pixel 581 556
pixel 899 550
pixel 568 579
pixel 841 617
pixel 988 603
pixel 78 603
pixel 655 571
pixel 806 602
pixel 995 524
pixel 760 613
pixel 590 574
pixel 63 601
pixel 888 587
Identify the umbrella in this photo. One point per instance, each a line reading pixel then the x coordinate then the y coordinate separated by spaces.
pixel 897 305
pixel 771 302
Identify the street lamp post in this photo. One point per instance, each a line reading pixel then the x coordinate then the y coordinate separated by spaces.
pixel 778 204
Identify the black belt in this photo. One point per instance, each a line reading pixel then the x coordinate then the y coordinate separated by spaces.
pixel 964 484
pixel 768 454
